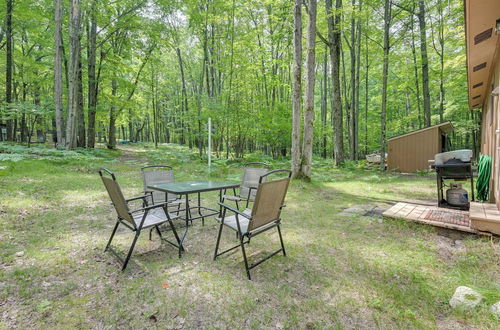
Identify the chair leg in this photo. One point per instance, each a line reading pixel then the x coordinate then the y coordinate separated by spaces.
pixel 112 235
pixel 248 198
pixel 245 257
pixel 281 240
pixel 157 230
pixel 131 250
pixel 218 241
pixel 151 234
pixel 181 248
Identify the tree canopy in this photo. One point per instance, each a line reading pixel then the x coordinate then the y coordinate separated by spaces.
pixel 156 70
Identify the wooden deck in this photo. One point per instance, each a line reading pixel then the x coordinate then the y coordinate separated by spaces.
pixel 431 215
pixel 485 216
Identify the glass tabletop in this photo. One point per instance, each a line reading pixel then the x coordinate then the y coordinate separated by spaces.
pixel 187 187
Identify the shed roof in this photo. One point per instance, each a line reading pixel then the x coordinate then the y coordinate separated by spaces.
pixel 445 127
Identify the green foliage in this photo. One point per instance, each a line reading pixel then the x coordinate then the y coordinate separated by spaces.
pixel 16 152
pixel 238 74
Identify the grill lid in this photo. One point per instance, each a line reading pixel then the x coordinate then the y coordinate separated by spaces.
pixel 461 156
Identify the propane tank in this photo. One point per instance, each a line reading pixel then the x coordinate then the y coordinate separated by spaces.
pixel 456 195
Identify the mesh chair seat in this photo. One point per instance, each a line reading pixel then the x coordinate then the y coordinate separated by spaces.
pixel 234 198
pixel 230 221
pixel 153 218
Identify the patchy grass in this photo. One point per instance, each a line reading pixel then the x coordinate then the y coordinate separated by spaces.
pixel 349 271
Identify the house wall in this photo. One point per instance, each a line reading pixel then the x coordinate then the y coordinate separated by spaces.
pixel 490 140
pixel 412 153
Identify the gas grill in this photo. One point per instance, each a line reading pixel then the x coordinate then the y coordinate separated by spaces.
pixel 455 166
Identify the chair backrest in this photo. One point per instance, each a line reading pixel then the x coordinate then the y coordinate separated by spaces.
pixel 116 195
pixel 157 174
pixel 251 177
pixel 269 200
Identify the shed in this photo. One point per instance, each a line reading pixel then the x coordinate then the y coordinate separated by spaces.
pixel 412 151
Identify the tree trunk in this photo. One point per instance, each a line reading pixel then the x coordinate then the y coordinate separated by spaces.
pixel 58 78
pixel 324 103
pixel 356 85
pixel 334 39
pixel 352 106
pixel 297 87
pixel 91 75
pixel 112 117
pixel 385 71
pixel 73 98
pixel 184 101
pixel 40 134
pixel 417 83
pixel 425 64
pixel 307 148
pixel 153 106
pixel 440 52
pixel 8 69
pixel 81 140
pixel 367 67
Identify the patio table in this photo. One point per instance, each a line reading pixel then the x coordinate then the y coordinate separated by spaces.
pixel 185 188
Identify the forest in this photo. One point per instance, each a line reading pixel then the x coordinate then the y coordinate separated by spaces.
pixel 333 78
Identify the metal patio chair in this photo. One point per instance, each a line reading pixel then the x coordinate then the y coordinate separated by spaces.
pixel 136 220
pixel 158 174
pixel 249 183
pixel 264 215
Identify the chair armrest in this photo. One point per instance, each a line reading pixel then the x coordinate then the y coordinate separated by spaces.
pixel 147 208
pixel 235 211
pixel 136 198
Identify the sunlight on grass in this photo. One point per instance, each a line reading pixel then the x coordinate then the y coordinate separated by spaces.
pixel 341 271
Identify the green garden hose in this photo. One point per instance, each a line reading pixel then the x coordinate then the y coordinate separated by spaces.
pixel 483 178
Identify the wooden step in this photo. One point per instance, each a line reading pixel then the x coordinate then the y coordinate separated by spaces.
pixel 431 215
pixel 485 217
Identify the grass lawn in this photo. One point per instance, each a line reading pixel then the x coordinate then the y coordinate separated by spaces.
pixel 343 270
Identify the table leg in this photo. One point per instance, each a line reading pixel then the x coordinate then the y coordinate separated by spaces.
pixel 187 222
pixel 199 210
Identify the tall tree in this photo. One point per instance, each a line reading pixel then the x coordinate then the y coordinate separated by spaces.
pixel 439 48
pixel 385 72
pixel 58 76
pixel 91 73
pixel 334 43
pixel 8 69
pixel 73 75
pixel 421 13
pixel 324 103
pixel 415 71
pixel 357 79
pixel 425 63
pixel 297 87
pixel 307 148
pixel 354 46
